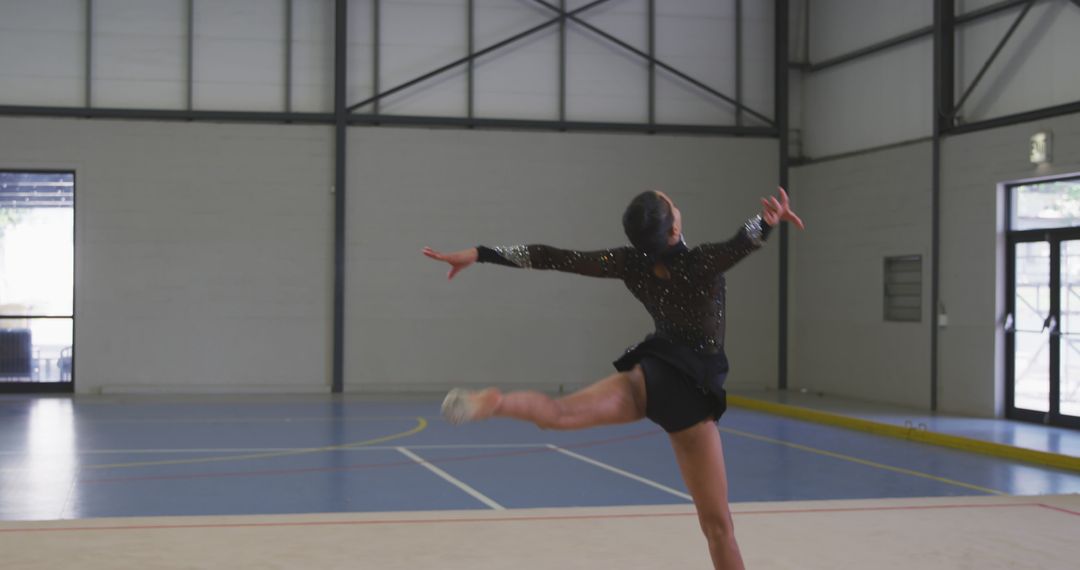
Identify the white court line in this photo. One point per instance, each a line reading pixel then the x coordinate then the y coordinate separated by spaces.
pixel 274 449
pixel 627 474
pixel 453 480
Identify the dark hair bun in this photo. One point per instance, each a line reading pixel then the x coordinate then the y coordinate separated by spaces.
pixel 647 222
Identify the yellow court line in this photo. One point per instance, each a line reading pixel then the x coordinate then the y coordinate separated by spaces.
pixel 421 425
pixel 972 445
pixel 866 462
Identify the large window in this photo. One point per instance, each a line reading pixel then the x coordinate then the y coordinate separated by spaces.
pixel 1054 204
pixel 37 261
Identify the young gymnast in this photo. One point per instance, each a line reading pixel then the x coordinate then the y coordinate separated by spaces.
pixel 675 377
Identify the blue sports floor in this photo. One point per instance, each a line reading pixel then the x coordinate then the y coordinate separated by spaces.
pixel 89 457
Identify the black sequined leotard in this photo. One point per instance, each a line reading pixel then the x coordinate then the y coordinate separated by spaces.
pixel 687 307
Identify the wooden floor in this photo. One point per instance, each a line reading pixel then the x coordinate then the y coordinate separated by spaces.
pixel 945 532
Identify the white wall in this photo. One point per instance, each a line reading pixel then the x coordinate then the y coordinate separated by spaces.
pixel 1038 67
pixel 865 206
pixel 870 102
pixel 873 101
pixel 862 208
pixel 409 329
pixel 838 27
pixel 139 57
pixel 886 97
pixel 239 55
pixel 858 211
pixel 202 251
pixel 41 53
pixel 972 252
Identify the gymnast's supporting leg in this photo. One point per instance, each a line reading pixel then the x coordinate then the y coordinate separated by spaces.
pixel 701 459
pixel 619 398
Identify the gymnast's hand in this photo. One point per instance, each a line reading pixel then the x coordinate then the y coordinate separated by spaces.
pixel 777 211
pixel 458 260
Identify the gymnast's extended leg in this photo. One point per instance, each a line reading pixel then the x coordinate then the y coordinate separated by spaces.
pixel 701 459
pixel 619 398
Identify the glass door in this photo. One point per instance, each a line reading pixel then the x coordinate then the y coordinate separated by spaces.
pixel 1043 327
pixel 37 281
pixel 1066 397
pixel 1027 326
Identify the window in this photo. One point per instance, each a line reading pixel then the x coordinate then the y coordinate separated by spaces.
pixel 1041 205
pixel 37 261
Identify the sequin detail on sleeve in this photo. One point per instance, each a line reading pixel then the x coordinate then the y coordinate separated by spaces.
pixel 516 254
pixel 754 230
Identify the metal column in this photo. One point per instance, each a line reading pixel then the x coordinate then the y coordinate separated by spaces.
pixel 944 96
pixel 781 102
pixel 340 124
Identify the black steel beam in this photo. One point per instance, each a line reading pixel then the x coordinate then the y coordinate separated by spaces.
pixel 13 317
pixel 975 15
pixel 470 34
pixel 526 124
pixel 780 84
pixel 650 25
pixel 371 119
pixel 166 114
pixel 738 62
pixel 1027 116
pixel 870 49
pixel 376 53
pixel 189 78
pixel 805 160
pixel 562 61
pixel 340 114
pixel 943 97
pixel 89 49
pixel 963 19
pixel 65 386
pixel 288 54
pixel 993 56
pixel 653 61
pixel 944 67
pixel 458 62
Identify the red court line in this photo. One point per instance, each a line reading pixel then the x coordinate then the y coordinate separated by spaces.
pixel 513 519
pixel 359 466
pixel 1059 509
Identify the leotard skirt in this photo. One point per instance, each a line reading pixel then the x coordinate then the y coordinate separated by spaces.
pixel 682 387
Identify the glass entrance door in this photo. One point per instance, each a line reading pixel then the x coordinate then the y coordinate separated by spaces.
pixel 1043 328
pixel 1030 319
pixel 1042 324
pixel 1066 397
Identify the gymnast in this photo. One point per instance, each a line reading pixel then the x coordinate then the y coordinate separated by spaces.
pixel 675 376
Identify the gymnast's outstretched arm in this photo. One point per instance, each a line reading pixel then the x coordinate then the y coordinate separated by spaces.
pixel 723 255
pixel 609 263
